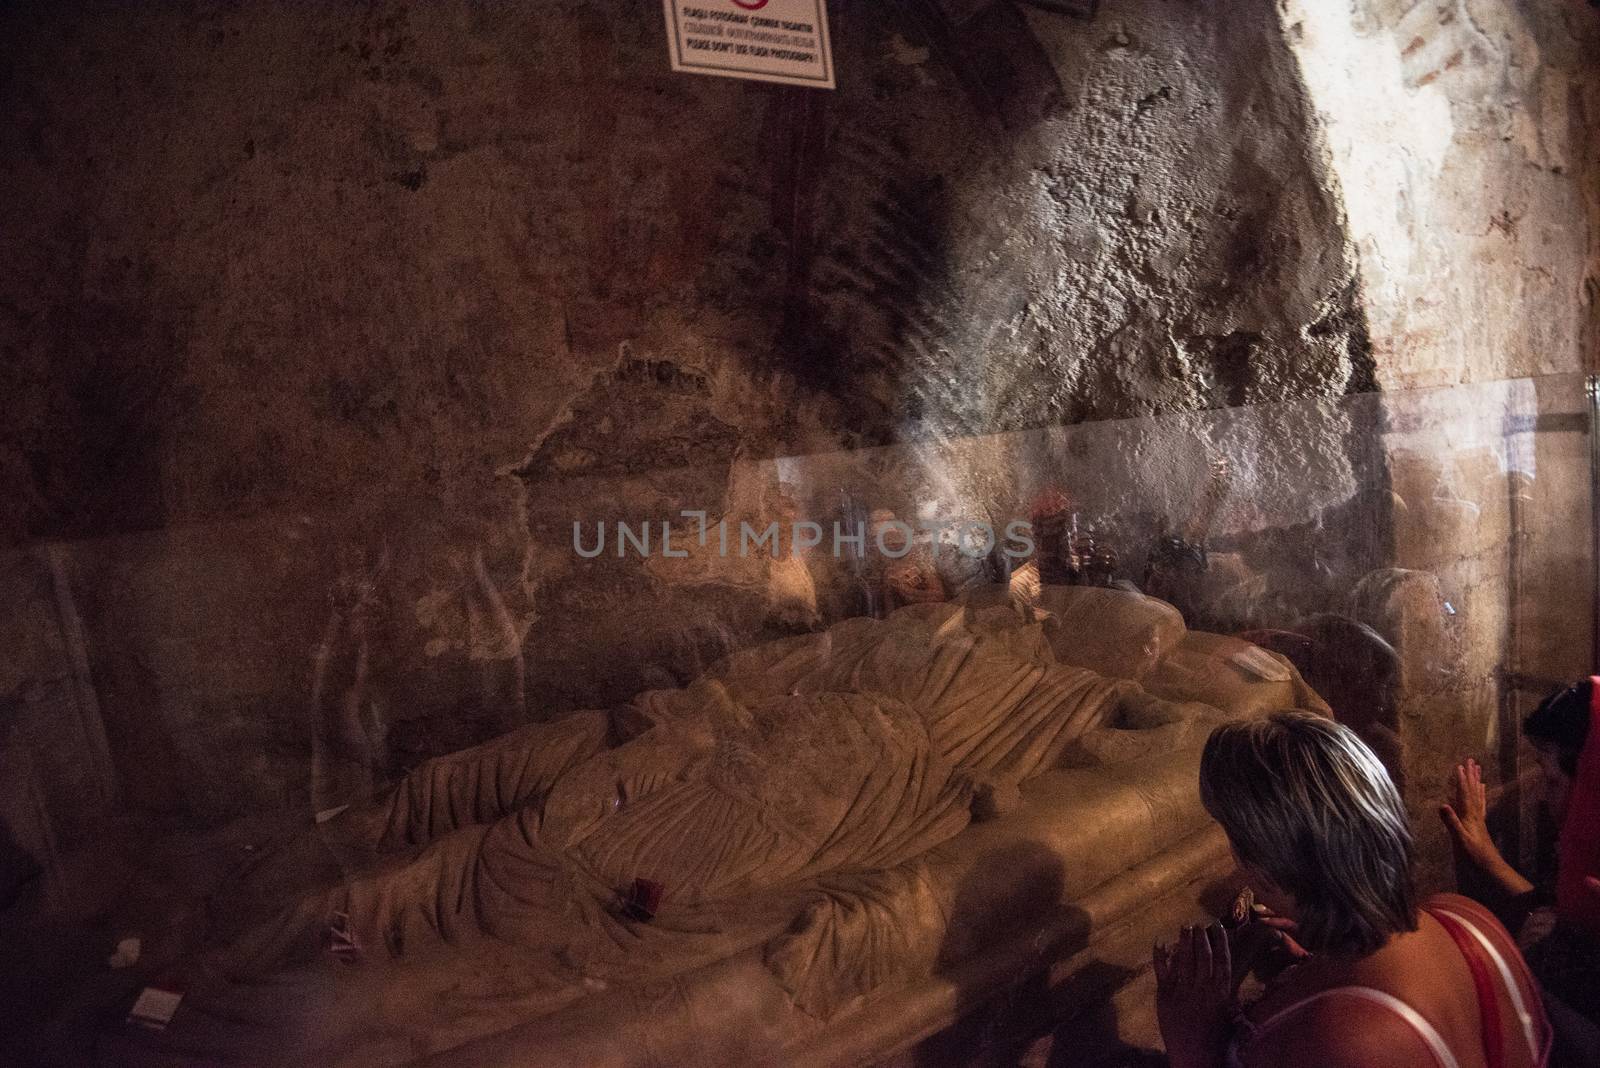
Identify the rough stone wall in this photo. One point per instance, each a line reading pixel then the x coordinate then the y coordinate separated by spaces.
pixel 1463 139
pixel 1459 135
pixel 333 297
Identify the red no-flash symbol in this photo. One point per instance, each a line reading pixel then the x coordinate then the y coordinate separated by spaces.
pixel 750 5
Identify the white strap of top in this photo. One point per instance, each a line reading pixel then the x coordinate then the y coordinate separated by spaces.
pixel 1425 1030
pixel 1512 986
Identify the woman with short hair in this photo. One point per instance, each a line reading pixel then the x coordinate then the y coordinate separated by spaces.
pixel 1384 981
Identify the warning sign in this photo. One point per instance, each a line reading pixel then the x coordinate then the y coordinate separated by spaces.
pixel 765 40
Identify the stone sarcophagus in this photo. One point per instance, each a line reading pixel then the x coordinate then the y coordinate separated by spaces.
pixel 820 851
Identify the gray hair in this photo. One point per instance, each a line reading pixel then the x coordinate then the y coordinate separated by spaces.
pixel 1306 802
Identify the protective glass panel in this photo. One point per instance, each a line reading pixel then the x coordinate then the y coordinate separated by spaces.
pixel 773 756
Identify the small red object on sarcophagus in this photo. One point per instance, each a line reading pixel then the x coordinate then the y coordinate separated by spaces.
pixel 643 900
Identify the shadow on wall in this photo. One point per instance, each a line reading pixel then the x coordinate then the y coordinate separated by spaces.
pixel 17 865
pixel 1008 920
pixel 17 868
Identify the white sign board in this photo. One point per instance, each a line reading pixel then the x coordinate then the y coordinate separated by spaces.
pixel 764 40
